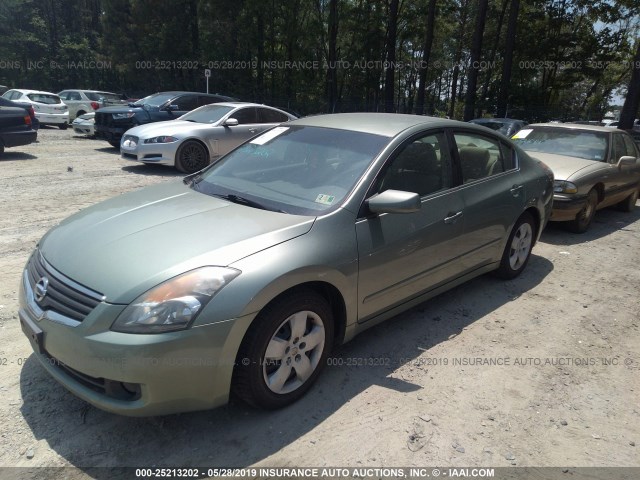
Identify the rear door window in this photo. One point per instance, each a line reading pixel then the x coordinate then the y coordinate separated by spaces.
pixel 480 156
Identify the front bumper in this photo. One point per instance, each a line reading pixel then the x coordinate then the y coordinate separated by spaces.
pixel 83 128
pixel 159 153
pixel 565 207
pixel 134 374
pixel 111 134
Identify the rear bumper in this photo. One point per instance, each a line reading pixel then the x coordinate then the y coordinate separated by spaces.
pixel 53 118
pixel 15 139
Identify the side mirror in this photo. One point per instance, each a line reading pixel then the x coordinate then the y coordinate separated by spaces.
pixel 172 108
pixel 394 201
pixel 231 122
pixel 626 161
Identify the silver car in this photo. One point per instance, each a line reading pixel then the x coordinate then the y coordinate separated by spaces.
pixel 199 137
pixel 594 167
pixel 85 124
pixel 243 277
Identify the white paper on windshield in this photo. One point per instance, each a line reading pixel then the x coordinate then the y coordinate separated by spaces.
pixel 523 133
pixel 270 135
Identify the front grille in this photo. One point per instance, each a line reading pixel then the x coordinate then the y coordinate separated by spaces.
pixel 103 119
pixel 63 295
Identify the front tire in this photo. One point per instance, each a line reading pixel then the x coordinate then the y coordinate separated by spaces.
pixel 518 249
pixel 284 350
pixel 64 126
pixel 115 144
pixel 191 157
pixel 585 216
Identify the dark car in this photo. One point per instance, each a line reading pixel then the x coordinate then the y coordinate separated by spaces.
pixel 112 122
pixel 15 127
pixel 35 124
pixel 506 126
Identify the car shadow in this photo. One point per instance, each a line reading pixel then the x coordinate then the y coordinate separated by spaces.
pixel 109 149
pixel 236 435
pixel 9 156
pixel 606 221
pixel 157 170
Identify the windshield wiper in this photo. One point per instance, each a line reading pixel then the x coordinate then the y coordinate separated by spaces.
pixel 245 201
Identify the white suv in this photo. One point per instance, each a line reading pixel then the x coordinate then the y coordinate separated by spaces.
pixel 48 107
pixel 87 101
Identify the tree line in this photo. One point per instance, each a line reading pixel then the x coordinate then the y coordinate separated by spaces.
pixel 535 60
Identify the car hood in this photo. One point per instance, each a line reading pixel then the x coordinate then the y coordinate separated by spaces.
pixel 119 109
pixel 171 127
pixel 564 166
pixel 126 245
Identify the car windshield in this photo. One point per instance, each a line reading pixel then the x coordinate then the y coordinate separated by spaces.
pixel 48 99
pixel 97 96
pixel 207 114
pixel 155 100
pixel 297 170
pixel 588 145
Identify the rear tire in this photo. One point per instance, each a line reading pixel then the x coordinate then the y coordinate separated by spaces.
pixel 64 126
pixel 191 157
pixel 518 248
pixel 585 216
pixel 284 350
pixel 629 203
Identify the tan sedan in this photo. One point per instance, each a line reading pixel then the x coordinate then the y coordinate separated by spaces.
pixel 594 167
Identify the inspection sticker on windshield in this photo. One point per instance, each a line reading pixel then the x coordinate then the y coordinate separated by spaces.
pixel 325 199
pixel 523 133
pixel 270 135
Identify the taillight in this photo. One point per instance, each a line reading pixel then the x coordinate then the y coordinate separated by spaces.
pixel 95 105
pixel 27 120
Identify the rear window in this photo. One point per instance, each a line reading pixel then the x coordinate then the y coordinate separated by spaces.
pixel 45 98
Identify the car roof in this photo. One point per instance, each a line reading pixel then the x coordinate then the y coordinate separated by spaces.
pixel 84 90
pixel 498 119
pixel 385 124
pixel 180 92
pixel 26 92
pixel 573 126
pixel 240 104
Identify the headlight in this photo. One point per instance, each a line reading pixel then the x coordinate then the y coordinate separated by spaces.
pixel 161 139
pixel 36 108
pixel 174 304
pixel 118 116
pixel 562 186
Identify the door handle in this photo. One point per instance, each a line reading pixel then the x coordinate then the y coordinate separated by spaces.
pixel 515 190
pixel 453 218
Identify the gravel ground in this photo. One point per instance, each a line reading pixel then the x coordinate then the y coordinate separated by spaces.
pixel 538 371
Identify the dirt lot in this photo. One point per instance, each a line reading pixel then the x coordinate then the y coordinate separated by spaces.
pixel 539 371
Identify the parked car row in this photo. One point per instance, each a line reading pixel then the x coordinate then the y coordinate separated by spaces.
pixel 59 109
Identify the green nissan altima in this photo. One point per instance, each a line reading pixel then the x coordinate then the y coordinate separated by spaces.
pixel 240 279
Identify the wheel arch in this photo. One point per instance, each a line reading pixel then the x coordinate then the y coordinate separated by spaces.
pixel 599 188
pixel 537 218
pixel 333 297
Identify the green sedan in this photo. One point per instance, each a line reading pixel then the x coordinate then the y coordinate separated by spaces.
pixel 243 277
